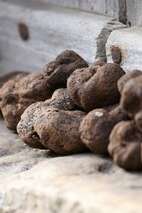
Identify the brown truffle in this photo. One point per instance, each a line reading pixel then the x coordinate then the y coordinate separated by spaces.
pixel 97 125
pixel 58 131
pixel 131 96
pixel 125 146
pixel 6 77
pixel 25 128
pixel 63 66
pixel 125 78
pixel 18 94
pixel 94 88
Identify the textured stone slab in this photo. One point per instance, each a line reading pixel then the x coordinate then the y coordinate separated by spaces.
pixel 130 42
pixel 34 181
pixel 52 29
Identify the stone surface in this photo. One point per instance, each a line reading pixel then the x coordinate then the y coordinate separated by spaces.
pixel 134 15
pixel 103 37
pixel 52 29
pixel 130 43
pixel 104 7
pixel 124 10
pixel 36 181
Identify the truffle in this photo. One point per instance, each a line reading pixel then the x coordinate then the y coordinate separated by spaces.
pixel 131 96
pixel 97 126
pixel 63 66
pixel 20 92
pixel 125 78
pixel 25 128
pixel 58 131
pixel 92 88
pixel 125 146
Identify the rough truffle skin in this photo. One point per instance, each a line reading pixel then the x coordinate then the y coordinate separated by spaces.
pixel 25 128
pixel 125 78
pixel 97 126
pixel 62 67
pixel 131 96
pixel 18 93
pixel 92 88
pixel 9 106
pixel 58 131
pixel 125 146
pixel 6 77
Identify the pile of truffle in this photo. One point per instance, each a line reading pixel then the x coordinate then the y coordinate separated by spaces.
pixel 71 107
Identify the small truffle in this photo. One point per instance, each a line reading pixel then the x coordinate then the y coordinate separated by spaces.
pixel 97 126
pixel 63 66
pixel 125 146
pixel 95 88
pixel 25 128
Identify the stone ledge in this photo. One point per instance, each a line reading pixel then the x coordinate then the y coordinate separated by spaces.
pixel 34 181
pixel 130 42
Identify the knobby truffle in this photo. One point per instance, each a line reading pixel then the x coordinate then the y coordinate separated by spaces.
pixel 97 126
pixel 37 114
pixel 92 88
pixel 125 78
pixel 58 131
pixel 131 96
pixel 126 146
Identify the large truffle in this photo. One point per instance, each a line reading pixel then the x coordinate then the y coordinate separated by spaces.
pixel 92 88
pixel 25 128
pixel 18 93
pixel 58 131
pixel 125 146
pixel 97 126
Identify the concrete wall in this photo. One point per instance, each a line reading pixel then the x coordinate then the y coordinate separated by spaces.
pixel 134 12
pixel 125 10
pixel 107 7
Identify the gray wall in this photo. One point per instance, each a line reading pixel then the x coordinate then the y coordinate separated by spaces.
pixel 124 10
pixel 134 12
pixel 108 7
